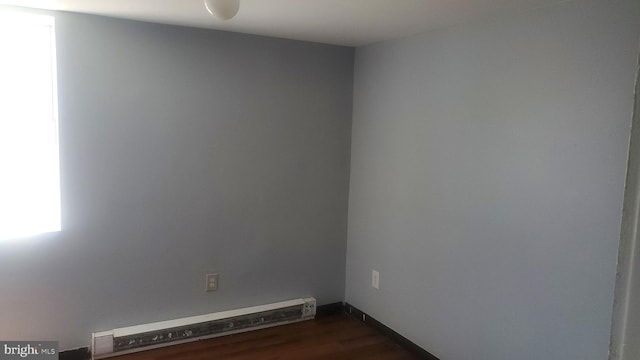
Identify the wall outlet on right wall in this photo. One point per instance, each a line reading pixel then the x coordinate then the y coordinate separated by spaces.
pixel 375 279
pixel 211 282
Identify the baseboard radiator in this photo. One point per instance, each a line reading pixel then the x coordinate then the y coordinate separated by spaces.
pixel 165 333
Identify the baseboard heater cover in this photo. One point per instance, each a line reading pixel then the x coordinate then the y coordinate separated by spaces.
pixel 165 333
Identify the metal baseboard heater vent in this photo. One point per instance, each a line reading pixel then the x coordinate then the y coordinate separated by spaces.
pixel 165 333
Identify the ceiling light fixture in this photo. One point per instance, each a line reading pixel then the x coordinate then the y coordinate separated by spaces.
pixel 222 9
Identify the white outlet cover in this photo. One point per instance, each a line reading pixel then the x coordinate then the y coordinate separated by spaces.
pixel 211 282
pixel 375 279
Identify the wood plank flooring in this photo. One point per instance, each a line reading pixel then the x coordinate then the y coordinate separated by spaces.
pixel 336 337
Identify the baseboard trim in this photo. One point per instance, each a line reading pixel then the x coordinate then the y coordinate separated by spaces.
pixel 401 340
pixel 329 309
pixel 75 354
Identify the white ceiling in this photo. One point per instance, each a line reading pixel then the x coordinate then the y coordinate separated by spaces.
pixel 341 22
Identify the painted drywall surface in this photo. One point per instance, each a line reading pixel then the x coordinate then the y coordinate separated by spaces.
pixel 487 177
pixel 625 330
pixel 185 151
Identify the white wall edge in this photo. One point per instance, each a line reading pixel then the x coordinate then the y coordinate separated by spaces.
pixel 626 269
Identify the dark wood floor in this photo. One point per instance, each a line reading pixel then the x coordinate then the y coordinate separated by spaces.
pixel 335 337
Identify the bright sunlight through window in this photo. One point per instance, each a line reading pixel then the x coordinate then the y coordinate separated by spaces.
pixel 29 170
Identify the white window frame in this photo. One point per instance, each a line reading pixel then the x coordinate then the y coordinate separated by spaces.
pixel 46 216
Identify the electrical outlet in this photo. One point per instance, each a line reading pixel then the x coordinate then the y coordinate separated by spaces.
pixel 211 282
pixel 375 279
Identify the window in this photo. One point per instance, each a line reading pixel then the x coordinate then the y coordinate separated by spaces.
pixel 29 170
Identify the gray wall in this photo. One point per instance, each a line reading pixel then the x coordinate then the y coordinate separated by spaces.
pixel 625 330
pixel 185 151
pixel 487 175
